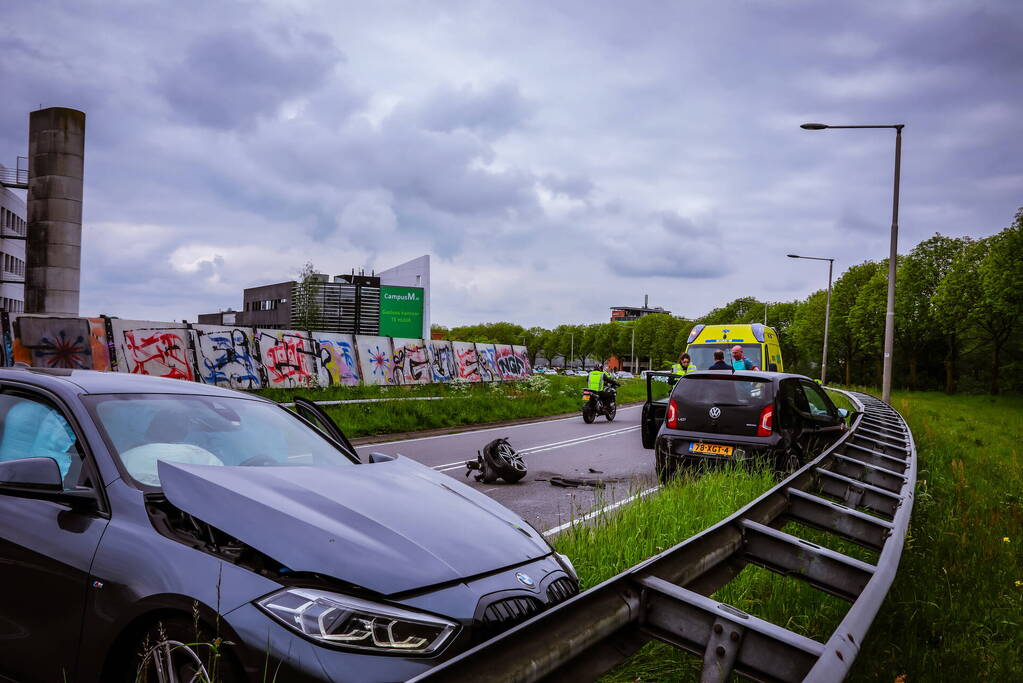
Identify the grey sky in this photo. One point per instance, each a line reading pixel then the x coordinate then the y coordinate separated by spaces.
pixel 554 158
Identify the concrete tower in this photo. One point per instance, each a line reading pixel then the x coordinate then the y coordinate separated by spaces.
pixel 53 251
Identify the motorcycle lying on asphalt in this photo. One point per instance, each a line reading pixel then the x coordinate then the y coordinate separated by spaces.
pixel 594 404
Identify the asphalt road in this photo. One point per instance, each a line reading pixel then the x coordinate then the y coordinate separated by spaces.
pixel 566 448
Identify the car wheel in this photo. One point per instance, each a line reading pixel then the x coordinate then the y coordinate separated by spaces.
pixel 665 467
pixel 175 650
pixel 589 413
pixel 788 461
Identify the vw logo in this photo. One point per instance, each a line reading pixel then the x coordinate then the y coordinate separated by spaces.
pixel 715 413
pixel 525 579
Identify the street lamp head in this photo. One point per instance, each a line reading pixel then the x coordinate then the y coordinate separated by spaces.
pixel 794 256
pixel 814 126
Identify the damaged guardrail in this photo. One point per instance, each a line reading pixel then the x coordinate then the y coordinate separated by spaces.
pixel 860 490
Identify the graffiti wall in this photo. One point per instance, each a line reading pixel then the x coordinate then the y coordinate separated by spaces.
pixel 410 362
pixel 442 361
pixel 487 355
pixel 225 356
pixel 52 342
pixel 466 361
pixel 335 359
pixel 512 362
pixel 375 359
pixel 288 359
pixel 247 358
pixel 152 348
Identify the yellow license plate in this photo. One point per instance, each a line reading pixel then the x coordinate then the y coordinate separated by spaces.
pixel 710 448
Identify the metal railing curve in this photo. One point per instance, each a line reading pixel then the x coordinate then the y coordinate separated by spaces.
pixel 860 489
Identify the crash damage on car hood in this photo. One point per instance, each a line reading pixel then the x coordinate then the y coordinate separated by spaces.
pixel 390 527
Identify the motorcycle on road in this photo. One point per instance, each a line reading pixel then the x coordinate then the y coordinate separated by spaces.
pixel 594 404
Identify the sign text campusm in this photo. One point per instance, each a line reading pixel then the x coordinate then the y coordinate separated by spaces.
pixel 401 312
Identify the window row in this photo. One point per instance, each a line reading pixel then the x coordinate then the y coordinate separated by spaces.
pixel 12 305
pixel 264 305
pixel 11 223
pixel 14 265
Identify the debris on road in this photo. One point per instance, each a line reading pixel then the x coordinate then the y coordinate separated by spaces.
pixel 497 460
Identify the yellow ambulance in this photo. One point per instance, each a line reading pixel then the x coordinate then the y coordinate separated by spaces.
pixel 759 343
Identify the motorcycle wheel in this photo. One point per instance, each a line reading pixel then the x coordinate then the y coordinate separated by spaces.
pixel 589 413
pixel 610 414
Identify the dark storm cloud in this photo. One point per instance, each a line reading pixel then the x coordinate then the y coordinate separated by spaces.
pixel 230 78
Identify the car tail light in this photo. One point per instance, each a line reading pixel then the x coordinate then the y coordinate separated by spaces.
pixel 672 417
pixel 766 424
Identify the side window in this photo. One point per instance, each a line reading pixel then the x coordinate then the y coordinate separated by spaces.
pixel 33 429
pixel 819 403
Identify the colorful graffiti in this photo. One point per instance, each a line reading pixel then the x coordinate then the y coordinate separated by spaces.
pixel 335 354
pixel 53 342
pixel 225 357
pixel 511 362
pixel 247 358
pixel 375 359
pixel 409 362
pixel 467 361
pixel 443 365
pixel 487 355
pixel 288 358
pixel 153 348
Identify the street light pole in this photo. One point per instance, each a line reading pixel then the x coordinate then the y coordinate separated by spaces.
pixel 889 321
pixel 571 353
pixel 633 353
pixel 827 314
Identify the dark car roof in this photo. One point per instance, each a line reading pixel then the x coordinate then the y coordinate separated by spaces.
pixel 94 382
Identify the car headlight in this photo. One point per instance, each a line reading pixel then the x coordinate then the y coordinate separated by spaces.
pixel 341 620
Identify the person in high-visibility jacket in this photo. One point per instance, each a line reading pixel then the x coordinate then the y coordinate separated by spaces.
pixel 684 365
pixel 598 380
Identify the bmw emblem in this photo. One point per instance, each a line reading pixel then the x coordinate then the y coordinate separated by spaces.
pixel 715 413
pixel 525 579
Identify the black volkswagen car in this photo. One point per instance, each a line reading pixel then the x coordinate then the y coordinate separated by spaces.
pixel 162 530
pixel 722 416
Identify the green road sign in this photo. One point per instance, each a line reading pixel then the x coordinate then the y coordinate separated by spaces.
pixel 401 312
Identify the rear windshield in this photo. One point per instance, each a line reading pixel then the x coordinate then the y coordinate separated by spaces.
pixel 702 355
pixel 724 390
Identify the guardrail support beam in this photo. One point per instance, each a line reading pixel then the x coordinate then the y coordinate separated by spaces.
pixel 871 474
pixel 848 489
pixel 763 650
pixel 877 458
pixel 845 522
pixel 824 569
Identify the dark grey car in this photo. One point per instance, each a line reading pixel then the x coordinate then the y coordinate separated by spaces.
pixel 713 417
pixel 149 524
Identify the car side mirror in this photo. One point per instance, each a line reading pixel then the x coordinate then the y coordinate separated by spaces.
pixel 843 413
pixel 39 474
pixel 380 457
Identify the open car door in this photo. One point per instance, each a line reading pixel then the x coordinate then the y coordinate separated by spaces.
pixel 315 414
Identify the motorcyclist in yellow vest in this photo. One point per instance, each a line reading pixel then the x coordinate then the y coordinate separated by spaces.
pixel 598 380
pixel 684 365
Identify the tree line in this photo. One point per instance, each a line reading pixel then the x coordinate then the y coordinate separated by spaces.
pixel 958 322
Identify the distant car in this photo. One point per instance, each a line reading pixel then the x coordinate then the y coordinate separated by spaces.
pixel 143 518
pixel 623 374
pixel 716 417
pixel 539 371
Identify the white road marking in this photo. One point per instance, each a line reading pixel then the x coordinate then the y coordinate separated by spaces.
pixel 479 431
pixel 596 513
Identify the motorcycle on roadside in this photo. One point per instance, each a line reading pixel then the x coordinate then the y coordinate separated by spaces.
pixel 595 404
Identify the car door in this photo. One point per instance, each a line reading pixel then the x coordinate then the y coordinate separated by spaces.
pixel 319 419
pixel 46 546
pixel 822 424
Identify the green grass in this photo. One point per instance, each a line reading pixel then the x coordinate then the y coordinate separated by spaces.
pixel 464 404
pixel 955 611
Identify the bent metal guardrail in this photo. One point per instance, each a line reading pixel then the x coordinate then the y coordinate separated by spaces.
pixel 860 489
